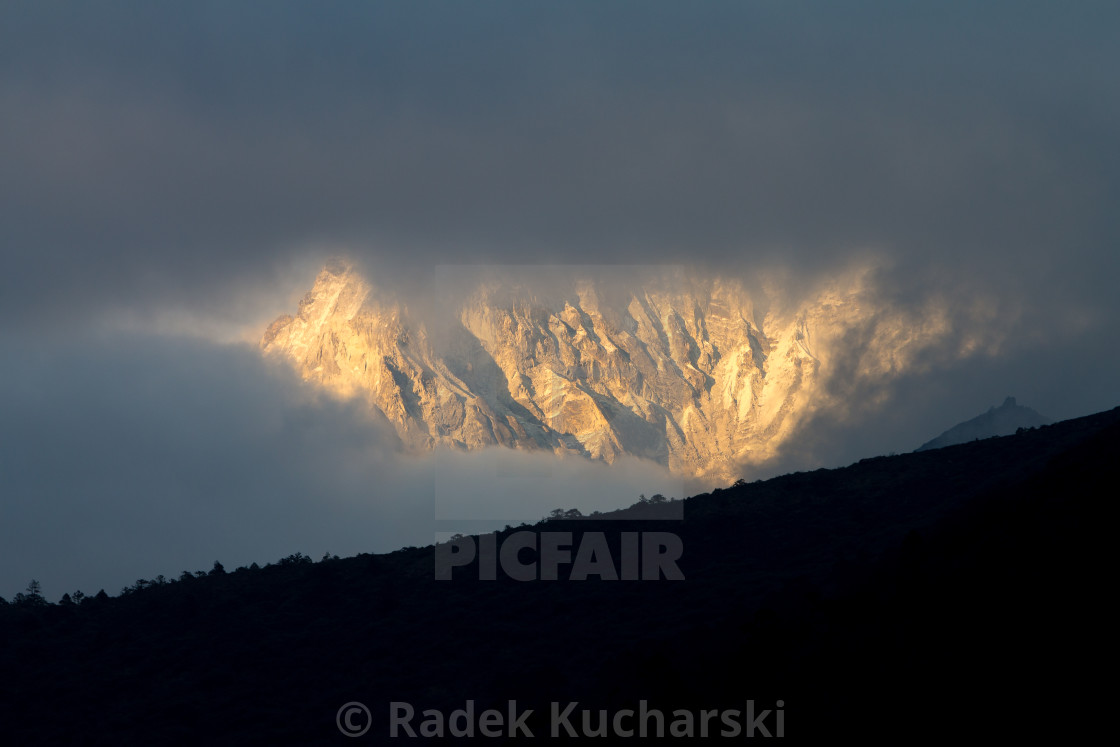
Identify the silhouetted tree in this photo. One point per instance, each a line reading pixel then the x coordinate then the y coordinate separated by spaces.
pixel 32 597
pixel 218 569
pixel 295 559
pixel 564 513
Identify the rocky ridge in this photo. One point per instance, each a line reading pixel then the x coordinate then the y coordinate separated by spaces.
pixel 689 374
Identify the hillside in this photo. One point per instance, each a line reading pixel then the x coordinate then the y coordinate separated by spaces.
pixel 952 591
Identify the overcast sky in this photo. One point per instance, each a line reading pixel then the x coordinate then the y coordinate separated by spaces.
pixel 172 173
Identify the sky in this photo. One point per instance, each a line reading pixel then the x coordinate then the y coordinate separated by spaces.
pixel 172 175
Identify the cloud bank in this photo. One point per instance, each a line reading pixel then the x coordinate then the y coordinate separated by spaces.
pixel 159 155
pixel 127 457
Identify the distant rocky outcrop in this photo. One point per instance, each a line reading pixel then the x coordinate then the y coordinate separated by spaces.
pixel 997 421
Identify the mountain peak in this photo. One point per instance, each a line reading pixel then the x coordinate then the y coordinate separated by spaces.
pixel 684 371
pixel 997 421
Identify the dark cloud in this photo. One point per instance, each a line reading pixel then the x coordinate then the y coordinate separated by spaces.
pixel 159 153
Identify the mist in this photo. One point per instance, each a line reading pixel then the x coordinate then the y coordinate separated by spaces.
pixel 127 457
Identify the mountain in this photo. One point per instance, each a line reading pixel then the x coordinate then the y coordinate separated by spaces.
pixel 997 421
pixel 694 373
pixel 958 588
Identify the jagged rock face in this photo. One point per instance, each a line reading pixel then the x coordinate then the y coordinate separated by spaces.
pixel 690 379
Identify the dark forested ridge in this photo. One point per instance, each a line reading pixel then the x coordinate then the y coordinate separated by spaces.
pixel 951 592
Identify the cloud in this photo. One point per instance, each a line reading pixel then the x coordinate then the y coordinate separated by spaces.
pixel 196 152
pixel 136 457
pixel 127 457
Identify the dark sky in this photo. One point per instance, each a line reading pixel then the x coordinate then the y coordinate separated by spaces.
pixel 171 174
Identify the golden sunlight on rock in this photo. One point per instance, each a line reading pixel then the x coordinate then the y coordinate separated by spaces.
pixel 694 379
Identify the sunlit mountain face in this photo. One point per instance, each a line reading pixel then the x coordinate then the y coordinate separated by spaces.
pixel 706 375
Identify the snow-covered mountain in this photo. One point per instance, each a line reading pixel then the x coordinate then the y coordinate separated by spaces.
pixel 685 371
